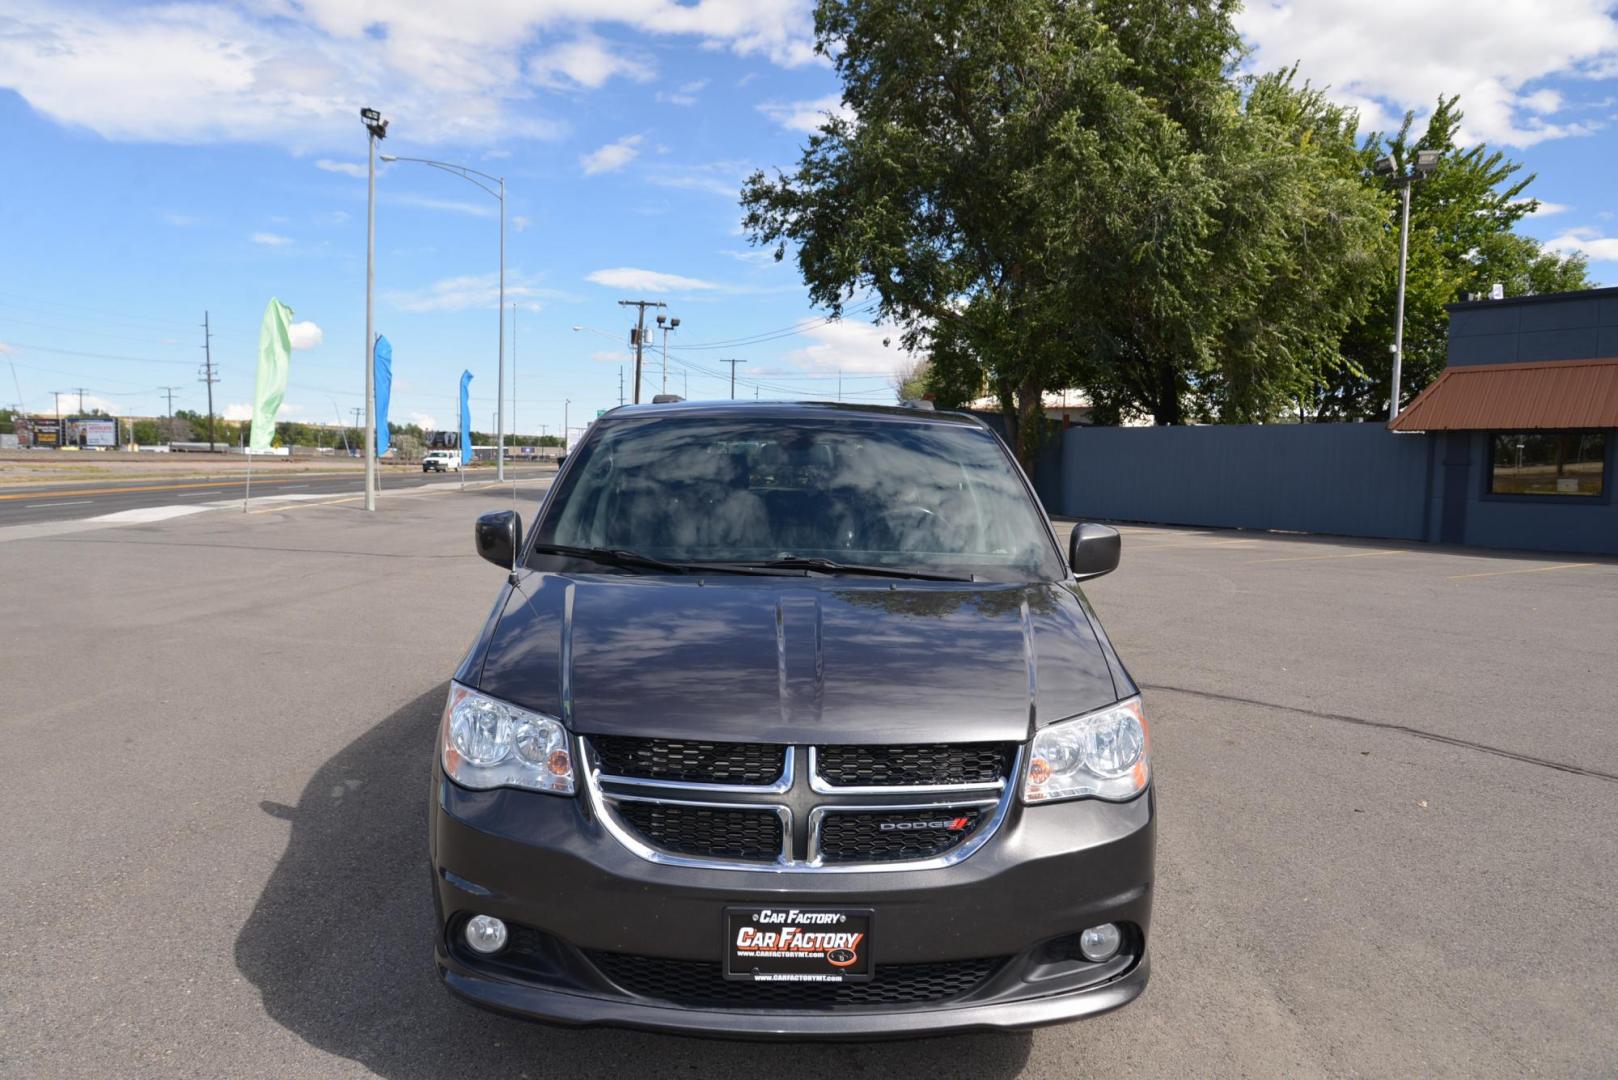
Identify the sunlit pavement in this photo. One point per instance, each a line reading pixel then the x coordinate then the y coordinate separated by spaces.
pixel 1387 778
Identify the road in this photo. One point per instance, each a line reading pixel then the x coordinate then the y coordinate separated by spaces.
pixel 1387 777
pixel 34 503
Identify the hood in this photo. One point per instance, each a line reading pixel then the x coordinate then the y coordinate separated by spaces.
pixel 796 660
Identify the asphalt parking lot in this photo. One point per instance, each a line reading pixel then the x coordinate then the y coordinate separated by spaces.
pixel 1388 782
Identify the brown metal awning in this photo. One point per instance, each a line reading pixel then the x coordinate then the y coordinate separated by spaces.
pixel 1548 394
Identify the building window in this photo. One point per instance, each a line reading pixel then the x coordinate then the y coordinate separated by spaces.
pixel 1548 463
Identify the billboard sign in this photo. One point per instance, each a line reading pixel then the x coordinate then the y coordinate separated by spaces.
pixel 38 431
pixel 92 431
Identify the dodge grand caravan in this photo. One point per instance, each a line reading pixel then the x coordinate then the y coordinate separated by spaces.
pixel 792 721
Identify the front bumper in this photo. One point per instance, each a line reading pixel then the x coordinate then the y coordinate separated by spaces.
pixel 542 862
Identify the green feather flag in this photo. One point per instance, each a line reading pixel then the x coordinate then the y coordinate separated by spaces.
pixel 274 355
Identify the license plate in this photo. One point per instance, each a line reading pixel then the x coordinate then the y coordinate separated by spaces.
pixel 783 943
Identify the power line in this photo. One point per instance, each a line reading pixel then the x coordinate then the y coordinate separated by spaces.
pixel 95 355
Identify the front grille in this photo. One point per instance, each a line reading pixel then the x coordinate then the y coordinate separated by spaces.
pixel 700 984
pixel 689 761
pixel 705 832
pixel 909 834
pixel 928 763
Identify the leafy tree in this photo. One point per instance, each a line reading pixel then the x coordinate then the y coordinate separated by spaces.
pixel 1461 241
pixel 911 382
pixel 1044 194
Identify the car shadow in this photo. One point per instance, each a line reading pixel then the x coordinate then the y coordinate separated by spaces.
pixel 339 946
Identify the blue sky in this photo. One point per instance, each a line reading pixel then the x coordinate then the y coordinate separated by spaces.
pixel 162 161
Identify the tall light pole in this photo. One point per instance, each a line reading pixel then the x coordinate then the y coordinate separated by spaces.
pixel 473 176
pixel 567 403
pixel 665 324
pixel 377 125
pixel 1426 161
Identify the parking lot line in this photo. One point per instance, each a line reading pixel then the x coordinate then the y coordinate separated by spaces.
pixel 1526 570
pixel 41 506
pixel 1172 547
pixel 1312 558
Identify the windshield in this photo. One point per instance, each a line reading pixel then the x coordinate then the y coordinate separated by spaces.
pixel 930 497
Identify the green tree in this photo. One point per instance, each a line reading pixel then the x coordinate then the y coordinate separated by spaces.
pixel 1045 194
pixel 1461 241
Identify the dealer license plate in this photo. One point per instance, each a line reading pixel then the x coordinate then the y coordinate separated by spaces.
pixel 784 943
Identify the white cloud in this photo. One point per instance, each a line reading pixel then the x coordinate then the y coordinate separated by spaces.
pixel 454 206
pixel 1386 56
pixel 269 239
pixel 474 291
pixel 850 346
pixel 180 221
pixel 684 94
pixel 520 223
pixel 1545 209
pixel 806 116
pixel 294 74
pixel 305 335
pixel 613 156
pixel 627 277
pixel 347 168
pixel 586 62
pixel 1588 242
pixel 237 411
pixel 722 178
pixel 425 421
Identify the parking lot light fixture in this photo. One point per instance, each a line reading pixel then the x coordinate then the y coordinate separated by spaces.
pixel 1423 165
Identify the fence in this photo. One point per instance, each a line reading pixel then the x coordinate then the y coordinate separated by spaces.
pixel 1344 479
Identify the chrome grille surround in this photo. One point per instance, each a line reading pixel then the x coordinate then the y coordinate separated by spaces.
pixel 802 805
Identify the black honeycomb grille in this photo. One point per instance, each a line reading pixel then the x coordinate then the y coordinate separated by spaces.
pixel 896 835
pixel 705 832
pixel 689 761
pixel 700 984
pixel 925 763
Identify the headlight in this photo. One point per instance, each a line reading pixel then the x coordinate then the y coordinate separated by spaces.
pixel 487 743
pixel 1102 755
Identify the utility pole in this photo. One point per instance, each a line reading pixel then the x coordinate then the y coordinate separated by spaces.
pixel 637 338
pixel 57 394
pixel 566 403
pixel 79 390
pixel 377 128
pixel 356 410
pixel 169 390
pixel 209 376
pixel 620 384
pixel 733 363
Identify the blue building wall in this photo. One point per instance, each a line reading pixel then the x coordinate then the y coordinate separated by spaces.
pixel 1346 479
pixel 1339 479
pixel 1585 525
pixel 1556 326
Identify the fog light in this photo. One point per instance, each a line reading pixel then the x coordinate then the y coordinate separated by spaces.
pixel 1097 943
pixel 487 934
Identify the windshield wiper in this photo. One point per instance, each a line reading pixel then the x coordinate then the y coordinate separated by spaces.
pixel 832 566
pixel 626 558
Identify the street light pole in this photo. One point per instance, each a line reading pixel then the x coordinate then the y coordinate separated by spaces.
pixel 378 128
pixel 499 192
pixel 1399 316
pixel 500 310
pixel 1425 162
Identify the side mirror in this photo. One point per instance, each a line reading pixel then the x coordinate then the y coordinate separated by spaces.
pixel 498 536
pixel 1093 550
